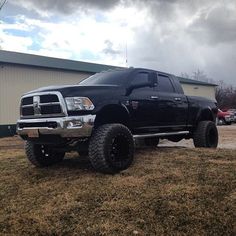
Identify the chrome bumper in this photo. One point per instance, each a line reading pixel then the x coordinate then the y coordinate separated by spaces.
pixel 228 119
pixel 66 127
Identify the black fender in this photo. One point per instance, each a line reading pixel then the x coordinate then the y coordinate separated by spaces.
pixel 112 112
pixel 205 113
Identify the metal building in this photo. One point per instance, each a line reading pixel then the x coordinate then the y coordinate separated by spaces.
pixel 198 88
pixel 21 72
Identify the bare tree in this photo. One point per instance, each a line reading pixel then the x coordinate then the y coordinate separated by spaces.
pixel 2 3
pixel 225 94
pixel 220 93
pixel 185 75
pixel 200 75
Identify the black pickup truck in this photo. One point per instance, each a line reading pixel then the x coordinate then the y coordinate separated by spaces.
pixel 104 114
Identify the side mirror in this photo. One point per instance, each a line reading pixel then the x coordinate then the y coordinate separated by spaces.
pixel 152 81
pixel 136 86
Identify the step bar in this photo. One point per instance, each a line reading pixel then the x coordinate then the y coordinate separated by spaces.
pixel 136 136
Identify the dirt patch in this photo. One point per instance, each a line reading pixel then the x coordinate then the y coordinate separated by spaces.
pixel 227 136
pixel 11 143
pixel 167 191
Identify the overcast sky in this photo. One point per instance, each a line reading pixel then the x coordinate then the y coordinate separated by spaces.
pixel 176 36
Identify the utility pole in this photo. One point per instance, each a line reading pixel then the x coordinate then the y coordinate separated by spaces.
pixel 126 54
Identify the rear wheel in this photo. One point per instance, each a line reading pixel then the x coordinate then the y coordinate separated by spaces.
pixel 111 148
pixel 42 155
pixel 206 135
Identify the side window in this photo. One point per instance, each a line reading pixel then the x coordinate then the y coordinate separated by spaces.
pixel 140 78
pixel 164 84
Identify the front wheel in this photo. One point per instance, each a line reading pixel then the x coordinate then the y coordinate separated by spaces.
pixel 111 148
pixel 42 155
pixel 205 135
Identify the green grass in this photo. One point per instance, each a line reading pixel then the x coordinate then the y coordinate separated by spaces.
pixel 168 191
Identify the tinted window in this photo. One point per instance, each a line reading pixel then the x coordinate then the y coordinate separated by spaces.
pixel 115 77
pixel 164 84
pixel 140 78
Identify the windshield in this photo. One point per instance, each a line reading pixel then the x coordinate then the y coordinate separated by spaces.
pixel 114 77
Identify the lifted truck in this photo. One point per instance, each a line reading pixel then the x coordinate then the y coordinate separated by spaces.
pixel 103 115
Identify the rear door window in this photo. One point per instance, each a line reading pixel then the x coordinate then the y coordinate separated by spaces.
pixel 164 84
pixel 140 78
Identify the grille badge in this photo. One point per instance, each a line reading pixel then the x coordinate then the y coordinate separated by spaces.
pixel 36 106
pixel 42 105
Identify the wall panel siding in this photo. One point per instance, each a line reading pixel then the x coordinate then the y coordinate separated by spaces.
pixel 199 90
pixel 16 80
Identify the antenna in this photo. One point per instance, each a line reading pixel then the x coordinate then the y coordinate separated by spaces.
pixel 2 4
pixel 126 54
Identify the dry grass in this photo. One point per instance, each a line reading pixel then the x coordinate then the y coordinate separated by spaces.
pixel 167 191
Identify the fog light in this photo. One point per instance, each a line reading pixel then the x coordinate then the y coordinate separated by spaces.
pixel 74 124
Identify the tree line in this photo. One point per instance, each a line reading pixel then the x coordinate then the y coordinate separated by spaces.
pixel 225 93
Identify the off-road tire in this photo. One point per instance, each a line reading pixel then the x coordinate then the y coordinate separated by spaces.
pixel 42 155
pixel 205 135
pixel 111 148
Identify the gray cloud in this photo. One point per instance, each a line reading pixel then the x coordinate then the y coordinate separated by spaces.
pixel 109 49
pixel 70 6
pixel 216 26
pixel 181 36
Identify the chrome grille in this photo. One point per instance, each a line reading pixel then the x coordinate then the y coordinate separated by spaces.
pixel 42 105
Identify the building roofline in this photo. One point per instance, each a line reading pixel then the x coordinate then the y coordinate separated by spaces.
pixel 50 62
pixel 17 58
pixel 196 82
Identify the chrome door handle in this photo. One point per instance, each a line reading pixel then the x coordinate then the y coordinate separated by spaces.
pixel 154 97
pixel 177 99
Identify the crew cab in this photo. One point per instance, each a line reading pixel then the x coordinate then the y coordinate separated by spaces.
pixel 103 115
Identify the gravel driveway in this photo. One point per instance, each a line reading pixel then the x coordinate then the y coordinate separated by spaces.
pixel 227 138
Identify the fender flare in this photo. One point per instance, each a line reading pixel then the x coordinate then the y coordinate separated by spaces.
pixel 204 114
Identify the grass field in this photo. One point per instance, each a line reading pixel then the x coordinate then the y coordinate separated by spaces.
pixel 167 191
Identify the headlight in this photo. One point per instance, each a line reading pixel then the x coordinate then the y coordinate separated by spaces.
pixel 79 104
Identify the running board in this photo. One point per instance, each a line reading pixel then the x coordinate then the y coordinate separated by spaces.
pixel 160 134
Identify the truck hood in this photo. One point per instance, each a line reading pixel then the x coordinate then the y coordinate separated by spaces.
pixel 224 113
pixel 98 92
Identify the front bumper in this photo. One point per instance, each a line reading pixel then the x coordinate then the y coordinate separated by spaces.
pixel 229 119
pixel 66 127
